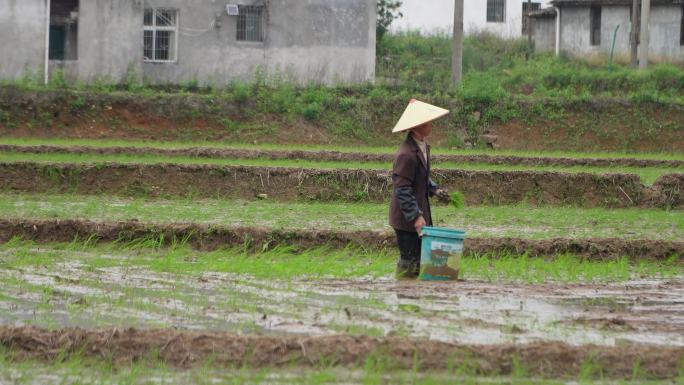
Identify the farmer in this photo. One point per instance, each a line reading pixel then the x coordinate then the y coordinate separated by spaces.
pixel 410 206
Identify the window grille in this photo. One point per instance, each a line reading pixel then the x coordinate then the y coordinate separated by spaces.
pixel 160 32
pixel 496 10
pixel 595 25
pixel 250 23
pixel 527 8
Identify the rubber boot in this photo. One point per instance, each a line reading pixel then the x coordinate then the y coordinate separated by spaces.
pixel 407 269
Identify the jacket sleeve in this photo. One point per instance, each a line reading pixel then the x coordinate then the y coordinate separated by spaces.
pixel 432 187
pixel 408 203
pixel 403 175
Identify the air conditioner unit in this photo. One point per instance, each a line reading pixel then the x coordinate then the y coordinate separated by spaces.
pixel 232 10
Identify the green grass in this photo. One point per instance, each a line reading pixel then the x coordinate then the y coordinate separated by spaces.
pixel 75 369
pixel 100 143
pixel 500 221
pixel 647 174
pixel 284 263
pixel 497 68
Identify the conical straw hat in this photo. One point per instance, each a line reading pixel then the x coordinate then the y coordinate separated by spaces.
pixel 418 113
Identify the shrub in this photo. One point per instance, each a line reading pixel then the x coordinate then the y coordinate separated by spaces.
pixel 279 99
pixel 312 111
pixel 317 95
pixel 241 92
pixel 347 103
pixel 481 87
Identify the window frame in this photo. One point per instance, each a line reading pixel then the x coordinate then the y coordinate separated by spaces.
pixel 243 9
pixel 493 5
pixel 594 32
pixel 154 28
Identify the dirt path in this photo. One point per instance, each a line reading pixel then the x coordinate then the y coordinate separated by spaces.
pixel 212 237
pixel 285 184
pixel 185 349
pixel 209 152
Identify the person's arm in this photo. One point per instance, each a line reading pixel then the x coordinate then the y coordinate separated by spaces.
pixel 440 193
pixel 407 203
pixel 432 187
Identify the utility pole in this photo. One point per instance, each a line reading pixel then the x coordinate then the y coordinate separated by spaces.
pixel 645 21
pixel 457 55
pixel 634 62
pixel 46 64
pixel 529 29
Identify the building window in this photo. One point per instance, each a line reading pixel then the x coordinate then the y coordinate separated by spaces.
pixel 250 23
pixel 496 10
pixel 527 8
pixel 681 29
pixel 160 35
pixel 63 42
pixel 595 25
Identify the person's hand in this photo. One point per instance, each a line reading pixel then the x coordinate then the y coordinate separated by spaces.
pixel 443 195
pixel 419 224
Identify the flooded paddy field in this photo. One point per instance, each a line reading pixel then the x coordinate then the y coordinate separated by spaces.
pixel 79 299
pixel 142 265
pixel 84 289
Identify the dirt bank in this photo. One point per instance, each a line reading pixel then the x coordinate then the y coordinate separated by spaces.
pixel 213 237
pixel 187 349
pixel 282 183
pixel 596 125
pixel 229 153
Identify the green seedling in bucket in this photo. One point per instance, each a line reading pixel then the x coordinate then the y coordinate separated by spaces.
pixel 457 200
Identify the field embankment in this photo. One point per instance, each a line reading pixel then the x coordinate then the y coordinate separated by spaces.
pixel 340 156
pixel 185 349
pixel 212 237
pixel 331 116
pixel 282 183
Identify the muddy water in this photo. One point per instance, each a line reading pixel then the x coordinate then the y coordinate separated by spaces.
pixel 77 293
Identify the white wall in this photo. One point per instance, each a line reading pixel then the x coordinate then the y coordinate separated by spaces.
pixel 664 42
pixel 431 15
pixel 22 38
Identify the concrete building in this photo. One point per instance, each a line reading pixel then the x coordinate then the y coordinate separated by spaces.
pixel 175 41
pixel 544 30
pixel 587 29
pixel 502 17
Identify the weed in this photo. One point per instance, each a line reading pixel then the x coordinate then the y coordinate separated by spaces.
pixel 79 103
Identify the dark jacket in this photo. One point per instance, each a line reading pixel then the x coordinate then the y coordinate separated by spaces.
pixel 412 186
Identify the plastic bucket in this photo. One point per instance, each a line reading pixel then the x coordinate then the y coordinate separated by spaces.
pixel 440 254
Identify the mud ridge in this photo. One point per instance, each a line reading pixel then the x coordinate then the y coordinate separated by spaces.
pixel 340 156
pixel 187 349
pixel 205 237
pixel 286 183
pixel 609 124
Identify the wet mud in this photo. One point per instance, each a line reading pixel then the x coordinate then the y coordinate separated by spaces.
pixel 286 184
pixel 211 237
pixel 229 153
pixel 185 349
pixel 80 304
